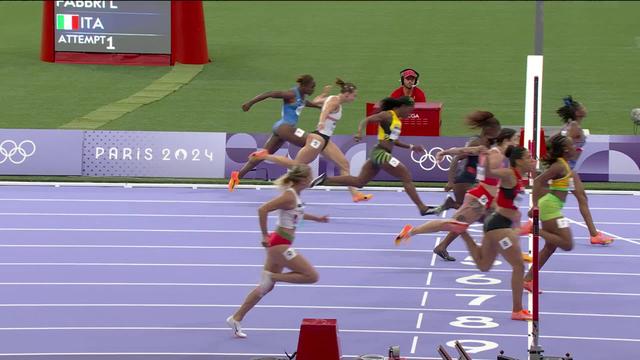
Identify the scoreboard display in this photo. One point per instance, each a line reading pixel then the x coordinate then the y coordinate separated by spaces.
pixel 140 27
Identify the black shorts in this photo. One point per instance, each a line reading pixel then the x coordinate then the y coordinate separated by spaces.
pixel 496 221
pixel 465 177
pixel 325 137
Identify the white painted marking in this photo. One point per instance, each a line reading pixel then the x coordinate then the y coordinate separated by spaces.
pixel 429 276
pixel 252 285
pixel 423 303
pixel 419 322
pixel 414 344
pixel 389 250
pixel 310 307
pixel 605 232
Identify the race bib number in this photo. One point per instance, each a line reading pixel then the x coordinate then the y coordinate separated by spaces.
pixel 563 223
pixel 394 162
pixel 483 200
pixel 315 143
pixel 505 243
pixel 290 254
pixel 395 133
pixel 299 132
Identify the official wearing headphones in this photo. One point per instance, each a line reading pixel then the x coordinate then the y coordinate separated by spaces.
pixel 409 80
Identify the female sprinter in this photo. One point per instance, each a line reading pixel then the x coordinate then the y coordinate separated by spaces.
pixel 572 114
pixel 560 179
pixel 478 201
pixel 284 130
pixel 319 141
pixel 461 180
pixel 280 254
pixel 389 128
pixel 499 237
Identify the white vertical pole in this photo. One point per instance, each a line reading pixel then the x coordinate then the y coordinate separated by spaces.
pixel 534 69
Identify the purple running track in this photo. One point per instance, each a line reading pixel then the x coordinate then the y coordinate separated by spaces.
pixel 152 273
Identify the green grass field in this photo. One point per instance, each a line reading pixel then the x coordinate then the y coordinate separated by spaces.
pixel 471 55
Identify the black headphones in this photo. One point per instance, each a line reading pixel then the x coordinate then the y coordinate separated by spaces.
pixel 402 77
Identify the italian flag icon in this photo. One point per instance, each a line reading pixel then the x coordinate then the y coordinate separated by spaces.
pixel 68 22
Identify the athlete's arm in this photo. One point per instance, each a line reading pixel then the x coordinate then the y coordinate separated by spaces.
pixel 320 99
pixel 467 150
pixel 504 174
pixel 287 96
pixel 322 219
pixel 413 147
pixel 376 118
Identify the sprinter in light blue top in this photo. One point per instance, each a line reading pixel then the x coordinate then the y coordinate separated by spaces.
pixel 291 111
pixel 285 129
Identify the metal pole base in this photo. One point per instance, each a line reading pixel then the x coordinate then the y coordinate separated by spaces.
pixel 535 353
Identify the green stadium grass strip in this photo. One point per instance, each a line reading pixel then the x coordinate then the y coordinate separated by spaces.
pixel 172 81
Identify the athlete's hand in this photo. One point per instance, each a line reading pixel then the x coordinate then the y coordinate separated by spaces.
pixel 265 241
pixel 246 107
pixel 323 219
pixel 440 155
pixel 448 187
pixel 530 213
pixel 418 148
pixel 320 126
pixel 358 137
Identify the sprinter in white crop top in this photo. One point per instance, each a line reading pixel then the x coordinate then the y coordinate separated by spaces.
pixel 319 141
pixel 280 254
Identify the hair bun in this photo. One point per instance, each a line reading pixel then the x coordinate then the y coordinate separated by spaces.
pixel 508 151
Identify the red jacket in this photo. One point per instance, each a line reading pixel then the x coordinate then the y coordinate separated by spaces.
pixel 417 94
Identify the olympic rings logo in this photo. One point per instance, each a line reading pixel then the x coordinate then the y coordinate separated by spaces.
pixel 16 153
pixel 428 160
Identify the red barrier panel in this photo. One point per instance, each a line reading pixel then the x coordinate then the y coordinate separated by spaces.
pixel 47 40
pixel 318 340
pixel 188 33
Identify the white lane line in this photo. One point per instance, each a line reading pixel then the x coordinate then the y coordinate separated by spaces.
pixel 260 248
pixel 357 331
pixel 420 310
pixel 170 201
pixel 206 216
pixel 320 286
pixel 345 267
pixel 605 232
pixel 199 231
